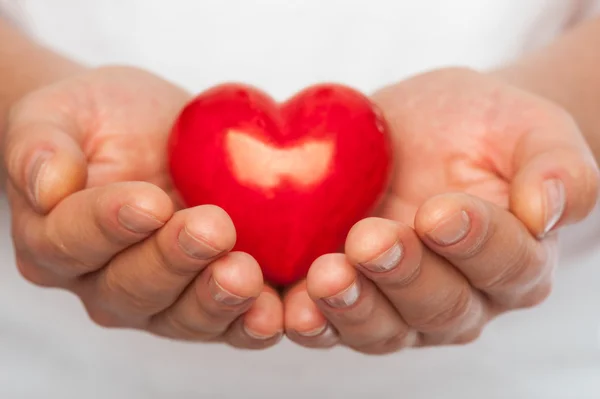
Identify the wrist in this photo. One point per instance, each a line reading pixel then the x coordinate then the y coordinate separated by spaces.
pixel 562 91
pixel 26 66
pixel 565 73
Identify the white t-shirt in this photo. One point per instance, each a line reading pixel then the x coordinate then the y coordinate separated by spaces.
pixel 50 349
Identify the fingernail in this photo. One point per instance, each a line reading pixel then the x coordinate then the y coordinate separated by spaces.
pixel 262 337
pixel 346 298
pixel 555 203
pixel 137 220
pixel 221 295
pixel 451 230
pixel 386 261
pixel 323 331
pixel 194 247
pixel 412 338
pixel 36 173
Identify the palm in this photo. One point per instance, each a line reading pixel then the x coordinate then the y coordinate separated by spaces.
pixel 127 121
pixel 134 260
pixel 458 141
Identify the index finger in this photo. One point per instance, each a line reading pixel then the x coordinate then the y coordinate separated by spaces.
pixel 490 246
pixel 88 228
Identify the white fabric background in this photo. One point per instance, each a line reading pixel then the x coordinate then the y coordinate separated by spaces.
pixel 49 349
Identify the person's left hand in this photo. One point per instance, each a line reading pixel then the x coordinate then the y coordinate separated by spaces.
pixel 485 173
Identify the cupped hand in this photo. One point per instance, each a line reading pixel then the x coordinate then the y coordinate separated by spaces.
pixel 93 212
pixel 485 176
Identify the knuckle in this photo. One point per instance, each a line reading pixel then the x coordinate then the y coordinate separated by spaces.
pixel 216 312
pixel 160 256
pixel 521 265
pixel 108 230
pixel 214 317
pixel 123 295
pixel 176 328
pixel 56 247
pixel 449 314
pixel 401 278
pixel 355 316
pixel 55 250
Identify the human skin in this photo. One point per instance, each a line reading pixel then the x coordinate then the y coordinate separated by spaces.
pixel 509 163
pixel 492 164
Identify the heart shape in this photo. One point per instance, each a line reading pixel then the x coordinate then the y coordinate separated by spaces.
pixel 294 177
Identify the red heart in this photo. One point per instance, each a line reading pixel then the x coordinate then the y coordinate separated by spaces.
pixel 293 177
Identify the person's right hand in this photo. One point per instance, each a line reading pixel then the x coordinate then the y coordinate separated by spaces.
pixel 93 212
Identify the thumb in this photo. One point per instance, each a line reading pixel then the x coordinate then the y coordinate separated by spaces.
pixel 42 155
pixel 556 178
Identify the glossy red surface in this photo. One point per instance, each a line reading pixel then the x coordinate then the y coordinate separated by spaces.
pixel 294 177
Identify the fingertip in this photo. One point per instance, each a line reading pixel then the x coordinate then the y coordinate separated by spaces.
pixel 305 324
pixel 65 173
pixel 213 226
pixel 239 274
pixel 554 189
pixel 329 275
pixel 436 215
pixel 264 320
pixel 302 314
pixel 456 224
pixel 527 202
pixel 369 238
pixel 147 198
pixel 137 207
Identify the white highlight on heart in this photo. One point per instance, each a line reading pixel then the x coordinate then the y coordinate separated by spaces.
pixel 257 163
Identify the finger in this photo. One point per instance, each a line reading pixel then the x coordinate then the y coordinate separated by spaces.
pixel 490 246
pixel 149 277
pixel 25 260
pixel 262 326
pixel 431 295
pixel 304 322
pixel 215 299
pixel 42 155
pixel 555 179
pixel 364 318
pixel 88 228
